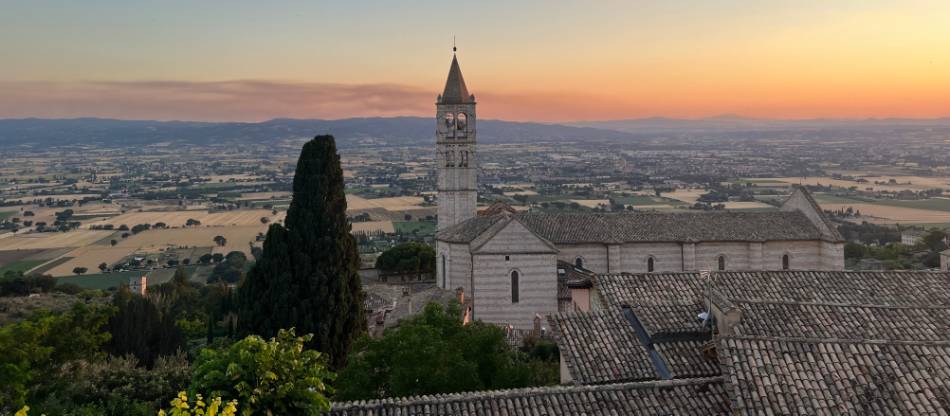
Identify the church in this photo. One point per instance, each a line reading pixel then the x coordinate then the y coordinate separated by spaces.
pixel 515 265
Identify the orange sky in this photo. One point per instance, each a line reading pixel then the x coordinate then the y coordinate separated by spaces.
pixel 542 61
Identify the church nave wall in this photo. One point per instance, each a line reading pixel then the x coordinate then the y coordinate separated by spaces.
pixel 594 255
pixel 537 288
pixel 667 257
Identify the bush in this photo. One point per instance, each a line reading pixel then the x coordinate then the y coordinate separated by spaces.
pixel 433 352
pixel 409 257
pixel 276 376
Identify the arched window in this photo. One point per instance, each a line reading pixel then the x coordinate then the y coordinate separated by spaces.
pixel 464 160
pixel 461 119
pixel 785 265
pixel 514 286
pixel 444 279
pixel 579 262
pixel 650 264
pixel 722 262
pixel 449 158
pixel 449 122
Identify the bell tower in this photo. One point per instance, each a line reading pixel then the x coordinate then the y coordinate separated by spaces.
pixel 455 150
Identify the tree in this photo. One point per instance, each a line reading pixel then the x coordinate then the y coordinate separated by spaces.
pixel 205 258
pixel 411 257
pixel 113 242
pixel 36 348
pixel 220 240
pixel 265 220
pixel 217 257
pixel 307 275
pixel 140 329
pixel 103 266
pixel 934 240
pixel 433 352
pixel 277 376
pixel 230 270
pixel 80 270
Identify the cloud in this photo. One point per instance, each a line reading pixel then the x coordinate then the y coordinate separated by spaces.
pixel 241 100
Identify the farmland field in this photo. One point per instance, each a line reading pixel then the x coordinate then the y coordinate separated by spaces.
pixel 238 238
pixel 76 238
pixel 415 227
pixel 373 227
pixel 89 257
pixel 591 203
pixel 689 196
pixel 911 183
pixel 20 266
pixel 180 218
pixel 402 203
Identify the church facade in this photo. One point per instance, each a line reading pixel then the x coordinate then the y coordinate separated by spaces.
pixel 512 264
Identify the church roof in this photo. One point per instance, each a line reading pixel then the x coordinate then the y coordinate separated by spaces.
pixel 629 227
pixel 455 91
pixel 702 396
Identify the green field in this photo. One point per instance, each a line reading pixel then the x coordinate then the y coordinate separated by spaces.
pixel 113 280
pixel 21 266
pixel 936 204
pixel 645 200
pixel 420 228
pixel 834 199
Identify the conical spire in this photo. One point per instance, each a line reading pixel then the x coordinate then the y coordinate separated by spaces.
pixel 455 91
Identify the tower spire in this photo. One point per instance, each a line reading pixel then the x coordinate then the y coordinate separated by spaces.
pixel 453 45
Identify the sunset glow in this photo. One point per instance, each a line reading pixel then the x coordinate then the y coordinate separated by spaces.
pixel 542 61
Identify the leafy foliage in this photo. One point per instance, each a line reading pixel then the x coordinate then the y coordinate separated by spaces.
pixel 277 376
pixel 182 407
pixel 434 353
pixel 407 258
pixel 116 386
pixel 307 275
pixel 34 349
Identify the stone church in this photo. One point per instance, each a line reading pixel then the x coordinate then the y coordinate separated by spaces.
pixel 513 265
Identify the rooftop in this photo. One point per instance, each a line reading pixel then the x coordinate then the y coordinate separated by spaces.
pixel 628 227
pixel 695 396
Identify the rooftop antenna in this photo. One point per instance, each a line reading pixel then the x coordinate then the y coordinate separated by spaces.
pixel 453 44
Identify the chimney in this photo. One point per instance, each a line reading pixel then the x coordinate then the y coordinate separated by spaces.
pixel 460 295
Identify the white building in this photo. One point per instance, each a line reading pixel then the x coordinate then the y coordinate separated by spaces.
pixel 508 262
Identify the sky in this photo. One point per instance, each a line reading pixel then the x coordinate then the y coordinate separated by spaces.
pixel 551 61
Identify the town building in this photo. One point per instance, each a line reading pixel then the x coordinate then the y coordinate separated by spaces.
pixel 507 261
pixel 725 343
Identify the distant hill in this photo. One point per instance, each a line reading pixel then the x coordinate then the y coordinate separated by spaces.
pixel 727 123
pixel 349 132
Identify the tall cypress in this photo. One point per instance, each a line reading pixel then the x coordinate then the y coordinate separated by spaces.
pixel 307 276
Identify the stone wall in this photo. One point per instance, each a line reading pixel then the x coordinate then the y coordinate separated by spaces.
pixel 594 255
pixel 537 284
pixel 457 271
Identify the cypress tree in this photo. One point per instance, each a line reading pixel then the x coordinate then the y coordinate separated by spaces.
pixel 307 276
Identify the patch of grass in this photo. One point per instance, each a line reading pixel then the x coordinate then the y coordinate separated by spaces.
pixel 823 198
pixel 420 228
pixel 936 204
pixel 105 281
pixel 52 264
pixel 21 266
pixel 7 214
